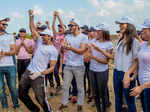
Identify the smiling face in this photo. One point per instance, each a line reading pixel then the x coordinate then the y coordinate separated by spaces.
pixel 46 38
pixel 72 27
pixel 22 34
pixel 123 27
pixel 146 34
pixel 3 25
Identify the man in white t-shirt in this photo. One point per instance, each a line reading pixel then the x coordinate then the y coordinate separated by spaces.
pixel 34 75
pixel 7 66
pixel 76 44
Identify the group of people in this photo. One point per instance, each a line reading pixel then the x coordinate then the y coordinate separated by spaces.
pixel 77 54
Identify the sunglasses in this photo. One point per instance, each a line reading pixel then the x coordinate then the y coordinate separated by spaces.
pixel 22 31
pixel 5 24
pixel 71 25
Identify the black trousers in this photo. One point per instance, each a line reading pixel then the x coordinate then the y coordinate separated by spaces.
pixel 99 82
pixel 38 86
pixel 22 64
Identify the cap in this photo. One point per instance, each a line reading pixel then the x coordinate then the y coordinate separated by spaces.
pixel 92 29
pixel 42 27
pixel 124 20
pixel 84 27
pixel 102 27
pixel 45 32
pixel 5 19
pixel 22 30
pixel 146 24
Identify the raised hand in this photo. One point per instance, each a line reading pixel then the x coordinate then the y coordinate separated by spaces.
pixel 31 12
pixel 56 13
pixel 47 23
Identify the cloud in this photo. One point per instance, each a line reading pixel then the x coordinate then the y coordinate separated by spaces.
pixel 17 15
pixel 38 10
pixel 67 14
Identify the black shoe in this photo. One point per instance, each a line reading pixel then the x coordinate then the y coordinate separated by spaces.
pixel 124 109
pixel 63 107
pixel 79 108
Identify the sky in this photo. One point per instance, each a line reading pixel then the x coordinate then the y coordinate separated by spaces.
pixel 89 12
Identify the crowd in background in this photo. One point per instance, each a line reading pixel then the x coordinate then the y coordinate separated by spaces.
pixel 80 56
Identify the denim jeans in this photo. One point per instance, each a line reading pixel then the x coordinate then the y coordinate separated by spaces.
pixel 147 99
pixel 78 73
pixel 10 74
pixel 119 90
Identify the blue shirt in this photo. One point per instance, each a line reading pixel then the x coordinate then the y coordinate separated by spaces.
pixel 74 59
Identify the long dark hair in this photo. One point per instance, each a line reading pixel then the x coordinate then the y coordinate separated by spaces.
pixel 105 36
pixel 130 34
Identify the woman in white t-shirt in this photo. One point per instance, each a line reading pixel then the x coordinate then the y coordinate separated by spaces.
pixel 126 50
pixel 99 66
pixel 143 65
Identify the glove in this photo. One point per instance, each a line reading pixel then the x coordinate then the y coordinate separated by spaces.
pixel 35 75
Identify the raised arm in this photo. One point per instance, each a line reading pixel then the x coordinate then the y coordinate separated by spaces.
pixel 31 25
pixel 60 21
pixel 53 25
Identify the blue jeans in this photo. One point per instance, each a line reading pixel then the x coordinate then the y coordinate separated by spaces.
pixel 147 99
pixel 120 90
pixel 10 75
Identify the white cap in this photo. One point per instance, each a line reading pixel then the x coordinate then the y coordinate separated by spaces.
pixel 146 24
pixel 103 27
pixel 124 20
pixel 47 32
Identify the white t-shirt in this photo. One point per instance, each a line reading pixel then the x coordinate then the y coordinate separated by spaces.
pixel 122 61
pixel 74 59
pixel 94 65
pixel 5 42
pixel 144 63
pixel 42 56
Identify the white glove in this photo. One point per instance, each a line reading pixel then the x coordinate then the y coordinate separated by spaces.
pixel 35 75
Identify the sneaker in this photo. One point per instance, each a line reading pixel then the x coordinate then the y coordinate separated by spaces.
pixel 89 100
pixel 79 108
pixel 74 99
pixel 63 107
pixel 69 98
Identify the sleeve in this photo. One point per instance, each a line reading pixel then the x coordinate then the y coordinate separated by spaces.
pixel 11 40
pixel 136 47
pixel 17 42
pixel 39 41
pixel 85 40
pixel 110 46
pixel 54 55
pixel 32 43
